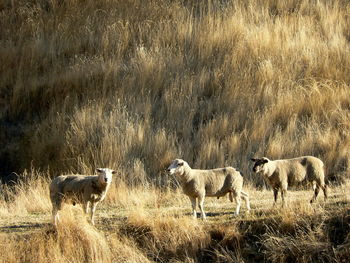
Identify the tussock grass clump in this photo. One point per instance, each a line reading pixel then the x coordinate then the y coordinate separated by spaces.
pixel 29 195
pixel 177 239
pixel 126 250
pixel 73 241
pixel 320 238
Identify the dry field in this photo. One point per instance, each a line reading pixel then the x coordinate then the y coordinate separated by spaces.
pixel 148 225
pixel 133 84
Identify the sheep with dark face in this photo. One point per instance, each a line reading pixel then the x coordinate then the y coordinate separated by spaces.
pixel 280 174
pixel 80 189
pixel 215 182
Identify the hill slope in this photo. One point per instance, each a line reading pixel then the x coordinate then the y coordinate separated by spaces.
pixel 132 84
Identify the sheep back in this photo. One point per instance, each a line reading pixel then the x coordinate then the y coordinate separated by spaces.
pixel 214 182
pixel 74 187
pixel 294 171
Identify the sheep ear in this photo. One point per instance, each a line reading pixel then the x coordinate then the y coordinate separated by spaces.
pixel 99 170
pixel 114 172
pixel 253 159
pixel 180 164
pixel 265 161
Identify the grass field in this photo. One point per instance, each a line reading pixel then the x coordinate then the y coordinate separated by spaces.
pixel 150 225
pixel 132 85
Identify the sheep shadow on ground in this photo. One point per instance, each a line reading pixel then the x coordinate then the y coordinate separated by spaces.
pixel 111 222
pixel 24 227
pixel 211 214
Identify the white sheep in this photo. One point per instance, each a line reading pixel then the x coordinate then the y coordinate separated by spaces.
pixel 280 174
pixel 80 189
pixel 215 182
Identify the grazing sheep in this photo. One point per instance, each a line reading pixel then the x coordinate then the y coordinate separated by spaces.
pixel 216 182
pixel 80 189
pixel 280 174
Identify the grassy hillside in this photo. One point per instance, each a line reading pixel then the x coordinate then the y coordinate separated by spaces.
pixel 132 84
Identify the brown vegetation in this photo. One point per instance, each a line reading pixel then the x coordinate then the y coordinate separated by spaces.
pixel 157 226
pixel 132 84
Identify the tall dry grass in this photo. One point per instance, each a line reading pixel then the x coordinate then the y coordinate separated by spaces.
pixel 139 224
pixel 29 195
pixel 133 84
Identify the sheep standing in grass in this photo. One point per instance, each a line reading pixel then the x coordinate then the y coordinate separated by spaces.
pixel 280 174
pixel 216 182
pixel 80 189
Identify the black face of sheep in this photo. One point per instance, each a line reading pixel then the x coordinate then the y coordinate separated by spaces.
pixel 259 164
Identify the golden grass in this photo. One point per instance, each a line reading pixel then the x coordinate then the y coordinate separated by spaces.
pixel 138 224
pixel 131 84
pixel 30 195
pixel 73 242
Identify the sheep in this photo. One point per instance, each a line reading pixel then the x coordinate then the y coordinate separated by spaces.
pixel 81 189
pixel 280 174
pixel 215 183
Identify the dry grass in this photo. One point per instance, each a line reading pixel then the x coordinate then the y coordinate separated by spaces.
pixel 30 195
pixel 156 226
pixel 131 84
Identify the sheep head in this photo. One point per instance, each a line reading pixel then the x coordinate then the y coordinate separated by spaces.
pixel 260 164
pixel 177 167
pixel 105 175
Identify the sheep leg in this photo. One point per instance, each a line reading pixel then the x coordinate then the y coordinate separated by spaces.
pixel 193 202
pixel 238 202
pixel 55 216
pixel 57 201
pixel 245 196
pixel 201 206
pixel 316 189
pixel 93 209
pixel 275 195
pixel 230 196
pixel 324 188
pixel 283 195
pixel 86 207
pixel 325 191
